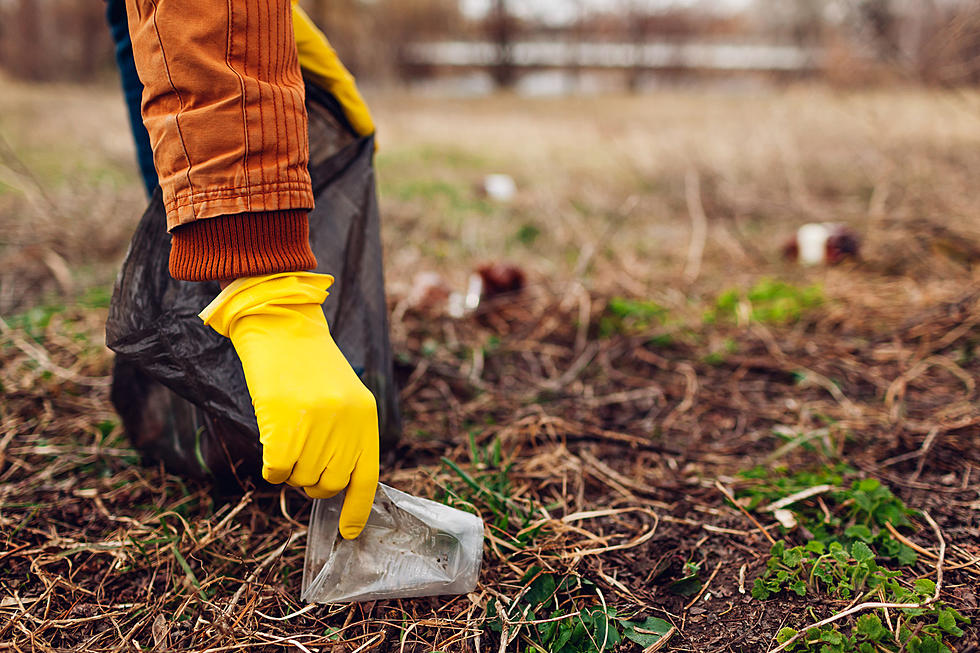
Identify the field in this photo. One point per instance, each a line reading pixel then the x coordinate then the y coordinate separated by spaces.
pixel 623 424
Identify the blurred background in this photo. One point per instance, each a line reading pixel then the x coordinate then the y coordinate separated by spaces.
pixel 586 45
pixel 635 184
pixel 607 122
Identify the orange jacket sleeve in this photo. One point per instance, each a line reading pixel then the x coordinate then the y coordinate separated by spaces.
pixel 223 102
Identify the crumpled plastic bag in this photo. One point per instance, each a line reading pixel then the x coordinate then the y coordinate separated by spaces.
pixel 410 547
pixel 179 386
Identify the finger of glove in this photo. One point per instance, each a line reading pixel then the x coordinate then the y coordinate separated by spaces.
pixel 314 461
pixel 331 483
pixel 280 451
pixel 360 496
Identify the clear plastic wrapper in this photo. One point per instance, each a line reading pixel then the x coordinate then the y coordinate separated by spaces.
pixel 410 547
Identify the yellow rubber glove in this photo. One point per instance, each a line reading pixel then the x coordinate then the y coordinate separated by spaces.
pixel 320 61
pixel 318 424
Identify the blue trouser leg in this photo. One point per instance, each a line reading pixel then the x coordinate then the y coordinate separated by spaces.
pixel 132 89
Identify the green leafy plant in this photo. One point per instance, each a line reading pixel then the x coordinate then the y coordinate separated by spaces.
pixel 870 635
pixel 689 583
pixel 768 301
pixel 856 513
pixel 631 316
pixel 846 559
pixel 648 632
pixel 564 614
pixel 813 567
pixel 528 233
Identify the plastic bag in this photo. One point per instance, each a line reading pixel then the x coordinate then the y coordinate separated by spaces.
pixel 179 386
pixel 410 547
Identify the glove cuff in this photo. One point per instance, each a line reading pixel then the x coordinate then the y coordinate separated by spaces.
pixel 241 245
pixel 267 294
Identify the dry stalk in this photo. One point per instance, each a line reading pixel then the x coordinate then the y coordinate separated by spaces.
pixel 699 225
pixel 704 587
pixel 728 495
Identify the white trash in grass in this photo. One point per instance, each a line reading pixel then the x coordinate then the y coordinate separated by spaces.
pixel 499 187
pixel 823 243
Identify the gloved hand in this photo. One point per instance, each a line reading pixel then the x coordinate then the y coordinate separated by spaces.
pixel 318 424
pixel 319 60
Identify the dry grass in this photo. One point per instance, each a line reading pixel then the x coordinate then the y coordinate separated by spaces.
pixel 591 407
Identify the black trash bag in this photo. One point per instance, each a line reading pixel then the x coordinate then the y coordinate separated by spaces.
pixel 179 386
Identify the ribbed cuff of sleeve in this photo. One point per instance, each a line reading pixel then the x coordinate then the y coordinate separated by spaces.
pixel 241 245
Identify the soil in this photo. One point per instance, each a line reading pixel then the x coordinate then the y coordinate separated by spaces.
pixel 101 552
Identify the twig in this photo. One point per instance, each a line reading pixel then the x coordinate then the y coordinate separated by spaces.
pixel 573 370
pixel 728 495
pixel 592 514
pixel 274 555
pixel 874 605
pixel 690 393
pixel 797 496
pixel 929 554
pixel 292 615
pixel 924 449
pixel 705 586
pixel 918 453
pixel 370 642
pixel 660 643
pixel 909 543
pixel 217 530
pixel 699 225
pixel 40 356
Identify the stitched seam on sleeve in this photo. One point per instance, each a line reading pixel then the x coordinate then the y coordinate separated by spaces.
pixel 285 186
pixel 275 85
pixel 180 100
pixel 261 100
pixel 241 83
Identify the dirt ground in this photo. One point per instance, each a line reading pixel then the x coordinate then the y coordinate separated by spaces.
pixel 598 416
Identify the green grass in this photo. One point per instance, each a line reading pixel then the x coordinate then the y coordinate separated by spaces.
pixel 487 490
pixel 631 316
pixel 767 302
pixel 37 319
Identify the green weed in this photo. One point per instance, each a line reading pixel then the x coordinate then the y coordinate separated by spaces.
pixel 96 297
pixel 35 320
pixel 565 614
pixel 870 635
pixel 631 316
pixel 689 583
pixel 453 199
pixel 487 490
pixel 767 302
pixel 845 559
pixel 857 513
pixel 527 234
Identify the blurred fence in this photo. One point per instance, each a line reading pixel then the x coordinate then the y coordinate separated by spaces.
pixel 48 40
pixel 864 41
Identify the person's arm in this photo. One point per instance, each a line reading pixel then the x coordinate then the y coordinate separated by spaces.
pixel 223 103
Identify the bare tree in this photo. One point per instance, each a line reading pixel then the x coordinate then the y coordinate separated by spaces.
pixel 54 39
pixel 501 29
pixel 370 36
